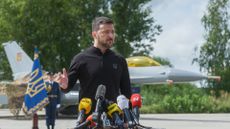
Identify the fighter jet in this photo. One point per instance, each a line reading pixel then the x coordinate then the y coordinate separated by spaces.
pixel 164 74
pixel 142 70
pixel 145 70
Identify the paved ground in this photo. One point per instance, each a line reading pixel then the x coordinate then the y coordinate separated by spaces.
pixel 160 121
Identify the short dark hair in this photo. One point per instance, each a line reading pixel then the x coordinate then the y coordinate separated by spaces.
pixel 100 20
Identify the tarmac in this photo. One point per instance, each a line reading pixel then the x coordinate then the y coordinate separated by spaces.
pixel 156 121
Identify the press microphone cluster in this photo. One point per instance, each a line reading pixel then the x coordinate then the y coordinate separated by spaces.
pixel 108 114
pixel 84 108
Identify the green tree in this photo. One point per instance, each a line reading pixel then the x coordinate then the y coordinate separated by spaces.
pixel 9 12
pixel 60 29
pixel 134 27
pixel 163 61
pixel 5 72
pixel 214 55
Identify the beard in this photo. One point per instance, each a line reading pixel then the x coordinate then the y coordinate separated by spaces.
pixel 106 43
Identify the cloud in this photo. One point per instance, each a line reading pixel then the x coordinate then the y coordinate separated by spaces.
pixel 182 30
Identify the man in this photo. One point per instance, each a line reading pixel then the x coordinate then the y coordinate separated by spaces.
pixel 98 65
pixel 53 93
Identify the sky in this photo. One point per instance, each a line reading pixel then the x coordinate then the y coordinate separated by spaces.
pixel 182 30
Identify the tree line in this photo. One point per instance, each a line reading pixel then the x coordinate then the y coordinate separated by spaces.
pixel 62 28
pixel 214 57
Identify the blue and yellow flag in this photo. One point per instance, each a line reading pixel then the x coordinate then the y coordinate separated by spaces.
pixel 36 95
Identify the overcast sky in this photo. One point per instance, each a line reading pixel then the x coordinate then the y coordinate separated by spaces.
pixel 182 30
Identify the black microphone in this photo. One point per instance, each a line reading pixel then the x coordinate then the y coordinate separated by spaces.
pixel 100 95
pixel 123 103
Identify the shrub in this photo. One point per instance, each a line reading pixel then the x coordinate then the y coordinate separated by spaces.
pixel 182 98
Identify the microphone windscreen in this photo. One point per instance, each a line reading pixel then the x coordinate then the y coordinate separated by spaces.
pixel 101 89
pixel 113 108
pixel 136 100
pixel 92 123
pixel 122 102
pixel 85 104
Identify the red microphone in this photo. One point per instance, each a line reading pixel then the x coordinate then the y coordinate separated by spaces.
pixel 136 104
pixel 90 119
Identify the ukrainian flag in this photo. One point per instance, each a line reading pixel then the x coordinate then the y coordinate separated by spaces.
pixel 36 95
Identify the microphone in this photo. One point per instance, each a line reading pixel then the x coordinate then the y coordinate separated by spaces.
pixel 100 95
pixel 87 122
pixel 83 108
pixel 123 103
pixel 114 111
pixel 105 121
pixel 136 104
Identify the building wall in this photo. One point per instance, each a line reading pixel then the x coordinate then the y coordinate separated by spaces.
pixel 3 99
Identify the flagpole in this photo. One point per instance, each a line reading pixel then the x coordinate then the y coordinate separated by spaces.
pixel 36 96
pixel 35 115
pixel 35 121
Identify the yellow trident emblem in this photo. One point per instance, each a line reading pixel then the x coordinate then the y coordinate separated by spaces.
pixel 36 86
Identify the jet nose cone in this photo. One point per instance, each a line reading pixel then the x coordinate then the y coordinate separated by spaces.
pixel 183 75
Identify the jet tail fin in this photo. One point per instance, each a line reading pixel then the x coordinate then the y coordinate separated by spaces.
pixel 20 63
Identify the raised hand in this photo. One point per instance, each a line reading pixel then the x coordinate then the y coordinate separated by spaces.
pixel 62 79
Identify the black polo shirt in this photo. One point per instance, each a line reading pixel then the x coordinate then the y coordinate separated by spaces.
pixel 93 68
